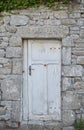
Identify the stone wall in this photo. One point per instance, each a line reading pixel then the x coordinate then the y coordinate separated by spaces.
pixel 66 25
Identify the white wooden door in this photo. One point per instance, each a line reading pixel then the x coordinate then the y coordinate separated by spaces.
pixel 44 75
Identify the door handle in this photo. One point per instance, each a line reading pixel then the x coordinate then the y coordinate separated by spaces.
pixel 30 69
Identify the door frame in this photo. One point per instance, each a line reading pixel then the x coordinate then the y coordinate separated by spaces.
pixel 25 95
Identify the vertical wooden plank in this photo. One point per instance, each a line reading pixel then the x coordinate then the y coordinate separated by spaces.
pixel 54 75
pixel 39 101
pixel 29 78
pixel 25 82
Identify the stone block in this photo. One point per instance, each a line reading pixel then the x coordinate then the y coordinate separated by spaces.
pixel 67 83
pixel 43 31
pixel 60 14
pixel 68 117
pixel 72 71
pixel 2 125
pixel 11 29
pixel 74 15
pixel 79 85
pixel 82 33
pixel 11 88
pixel 2 110
pixel 4 60
pixel 2 29
pixel 15 41
pixel 78 52
pixel 80 60
pixel 5 70
pixel 67 41
pixel 82 101
pixel 6 20
pixel 17 66
pixel 74 32
pixel 80 22
pixel 2 53
pixel 68 21
pixel 2 76
pixel 74 28
pixel 11 124
pixel 5 39
pixel 66 55
pixel 16 110
pixel 74 37
pixel 69 128
pixel 54 22
pixel 71 101
pixel 3 44
pixel 1 65
pixel 13 52
pixel 7 105
pixel 19 20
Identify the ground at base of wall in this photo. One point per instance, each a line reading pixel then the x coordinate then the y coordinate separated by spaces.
pixel 36 127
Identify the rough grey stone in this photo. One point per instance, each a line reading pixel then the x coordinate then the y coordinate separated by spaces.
pixel 66 55
pixel 74 15
pixel 80 60
pixel 7 105
pixel 74 36
pixel 60 14
pixel 19 20
pixel 2 110
pixel 5 70
pixel 11 124
pixel 67 41
pixel 5 39
pixel 71 101
pixel 11 29
pixel 6 19
pixel 82 33
pixel 13 52
pixel 1 65
pixel 78 52
pixel 74 32
pixel 2 125
pixel 69 128
pixel 80 22
pixel 44 31
pixel 79 85
pixel 53 22
pixel 68 22
pixel 11 88
pixel 66 84
pixel 74 28
pixel 2 29
pixel 3 44
pixel 2 76
pixel 16 111
pixel 4 60
pixel 17 66
pixel 68 117
pixel 2 53
pixel 73 70
pixel 15 41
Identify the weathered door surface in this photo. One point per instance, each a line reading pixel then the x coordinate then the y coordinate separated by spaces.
pixel 44 75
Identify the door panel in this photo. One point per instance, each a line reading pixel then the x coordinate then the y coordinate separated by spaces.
pixel 45 52
pixel 53 77
pixel 39 100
